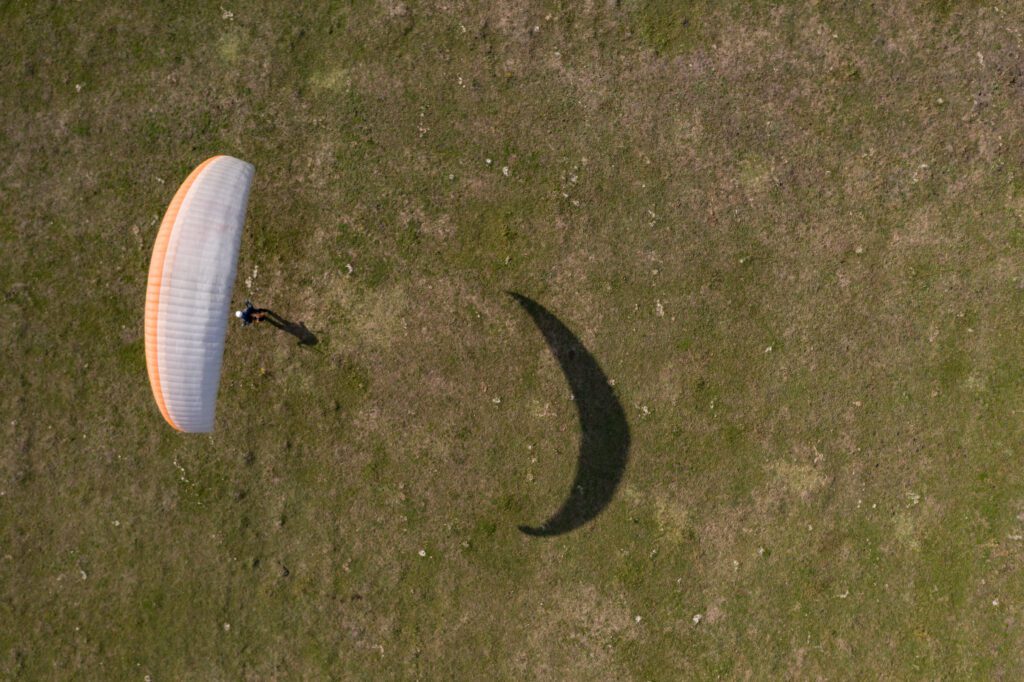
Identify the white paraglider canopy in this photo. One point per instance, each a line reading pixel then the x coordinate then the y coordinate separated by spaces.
pixel 188 296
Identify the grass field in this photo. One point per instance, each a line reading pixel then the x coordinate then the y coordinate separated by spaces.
pixel 791 233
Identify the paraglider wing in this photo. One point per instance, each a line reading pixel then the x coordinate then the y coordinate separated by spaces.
pixel 188 295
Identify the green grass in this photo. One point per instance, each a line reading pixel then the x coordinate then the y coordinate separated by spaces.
pixel 789 232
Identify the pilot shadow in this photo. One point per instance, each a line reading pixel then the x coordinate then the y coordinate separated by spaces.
pixel 604 440
pixel 296 329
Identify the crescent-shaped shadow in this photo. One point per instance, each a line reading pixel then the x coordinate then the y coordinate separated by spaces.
pixel 604 443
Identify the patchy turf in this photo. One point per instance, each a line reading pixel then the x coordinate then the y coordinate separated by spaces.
pixel 790 233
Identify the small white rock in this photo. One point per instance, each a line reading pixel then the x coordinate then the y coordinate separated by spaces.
pixel 422 552
pixel 697 618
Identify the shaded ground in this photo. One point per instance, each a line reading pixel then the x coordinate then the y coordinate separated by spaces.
pixel 790 233
pixel 604 430
pixel 298 330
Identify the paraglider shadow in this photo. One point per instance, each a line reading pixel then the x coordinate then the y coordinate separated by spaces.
pixel 296 329
pixel 604 443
